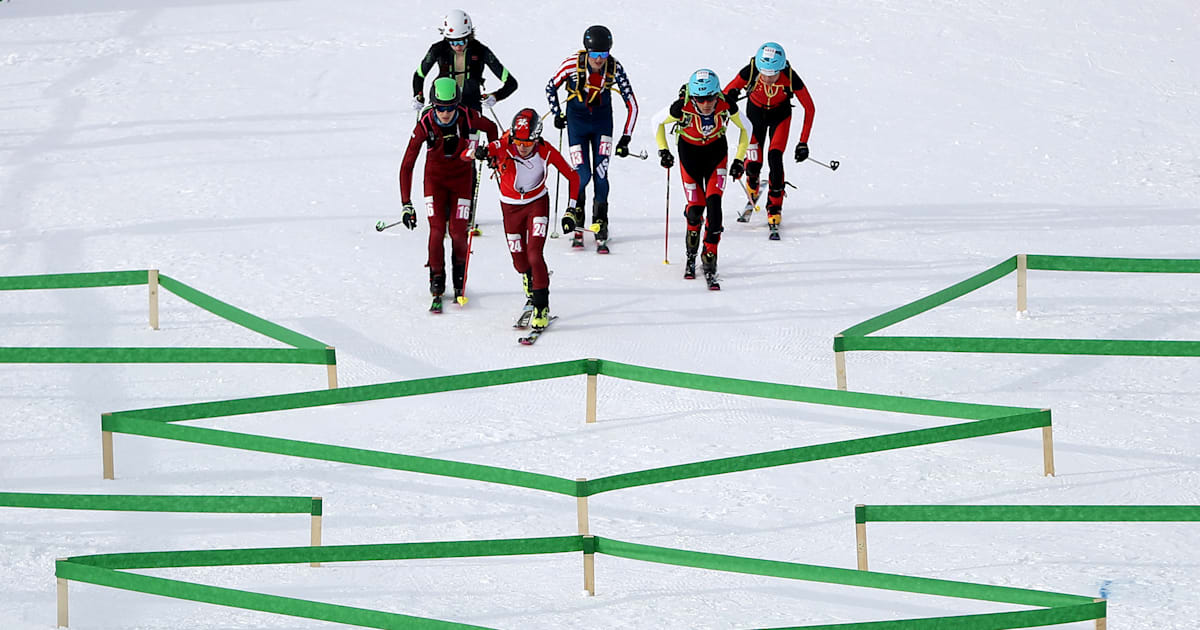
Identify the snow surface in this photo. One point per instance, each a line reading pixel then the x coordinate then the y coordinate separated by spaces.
pixel 247 148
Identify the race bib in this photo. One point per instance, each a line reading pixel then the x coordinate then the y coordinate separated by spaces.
pixel 429 207
pixel 539 226
pixel 463 209
pixel 514 243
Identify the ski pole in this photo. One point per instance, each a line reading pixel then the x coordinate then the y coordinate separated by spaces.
pixel 832 165
pixel 557 186
pixel 667 220
pixel 497 118
pixel 462 299
pixel 381 226
pixel 641 156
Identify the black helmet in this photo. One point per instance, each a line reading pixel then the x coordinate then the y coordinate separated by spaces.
pixel 597 39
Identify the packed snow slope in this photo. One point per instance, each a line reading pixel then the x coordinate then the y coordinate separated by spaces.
pixel 247 148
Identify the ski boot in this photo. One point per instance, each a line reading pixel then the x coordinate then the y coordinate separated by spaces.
pixel 541 310
pixel 600 226
pixel 773 221
pixel 691 241
pixel 437 286
pixel 458 270
pixel 709 261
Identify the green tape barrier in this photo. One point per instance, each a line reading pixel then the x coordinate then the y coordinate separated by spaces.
pixel 164 503
pixel 857 337
pixel 165 422
pixel 1026 513
pixel 74 280
pixel 107 570
pixel 304 350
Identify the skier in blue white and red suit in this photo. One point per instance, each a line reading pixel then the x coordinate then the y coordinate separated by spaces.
pixel 590 77
pixel 771 83
pixel 445 128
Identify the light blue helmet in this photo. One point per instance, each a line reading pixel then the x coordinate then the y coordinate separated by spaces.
pixel 770 58
pixel 704 82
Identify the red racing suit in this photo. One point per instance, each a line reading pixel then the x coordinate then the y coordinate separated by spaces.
pixel 449 179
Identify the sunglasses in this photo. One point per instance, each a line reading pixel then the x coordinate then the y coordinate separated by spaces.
pixel 597 55
pixel 445 108
pixel 705 99
pixel 458 42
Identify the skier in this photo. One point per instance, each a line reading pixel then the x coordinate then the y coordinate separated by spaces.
pixel 590 76
pixel 702 115
pixel 445 127
pixel 462 57
pixel 770 83
pixel 519 160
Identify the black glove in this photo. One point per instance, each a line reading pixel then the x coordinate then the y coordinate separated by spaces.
pixel 481 152
pixel 623 146
pixel 736 169
pixel 409 218
pixel 560 121
pixel 570 218
pixel 665 158
pixel 493 161
pixel 801 151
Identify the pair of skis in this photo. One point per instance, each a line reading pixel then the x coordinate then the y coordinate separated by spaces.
pixel 523 322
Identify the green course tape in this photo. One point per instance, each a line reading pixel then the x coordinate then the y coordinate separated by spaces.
pixel 832 397
pixel 165 355
pixel 344 454
pixel 1110 347
pixel 926 303
pixel 1123 265
pixel 160 503
pixel 75 280
pixel 362 393
pixel 104 570
pixel 1027 513
pixel 238 316
pixel 816 452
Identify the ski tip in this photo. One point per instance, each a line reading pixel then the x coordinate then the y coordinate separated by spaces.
pixel 462 300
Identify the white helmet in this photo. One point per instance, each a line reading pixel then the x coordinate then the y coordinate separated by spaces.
pixel 456 25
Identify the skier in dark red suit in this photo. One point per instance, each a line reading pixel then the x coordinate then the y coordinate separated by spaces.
pixel 771 83
pixel 519 158
pixel 445 128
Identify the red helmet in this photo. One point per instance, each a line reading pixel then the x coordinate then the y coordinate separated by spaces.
pixel 526 126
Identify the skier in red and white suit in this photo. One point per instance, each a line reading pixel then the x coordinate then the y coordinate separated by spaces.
pixel 519 158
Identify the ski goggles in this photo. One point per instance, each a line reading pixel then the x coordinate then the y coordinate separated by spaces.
pixel 445 108
pixel 458 42
pixel 705 99
pixel 598 55
pixel 524 143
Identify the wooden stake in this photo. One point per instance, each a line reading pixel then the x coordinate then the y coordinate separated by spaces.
pixel 839 360
pixel 315 538
pixel 860 538
pixel 591 397
pixel 331 369
pixel 62 601
pixel 1101 623
pixel 1022 267
pixel 152 281
pixel 581 511
pixel 1048 451
pixel 106 447
pixel 589 572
